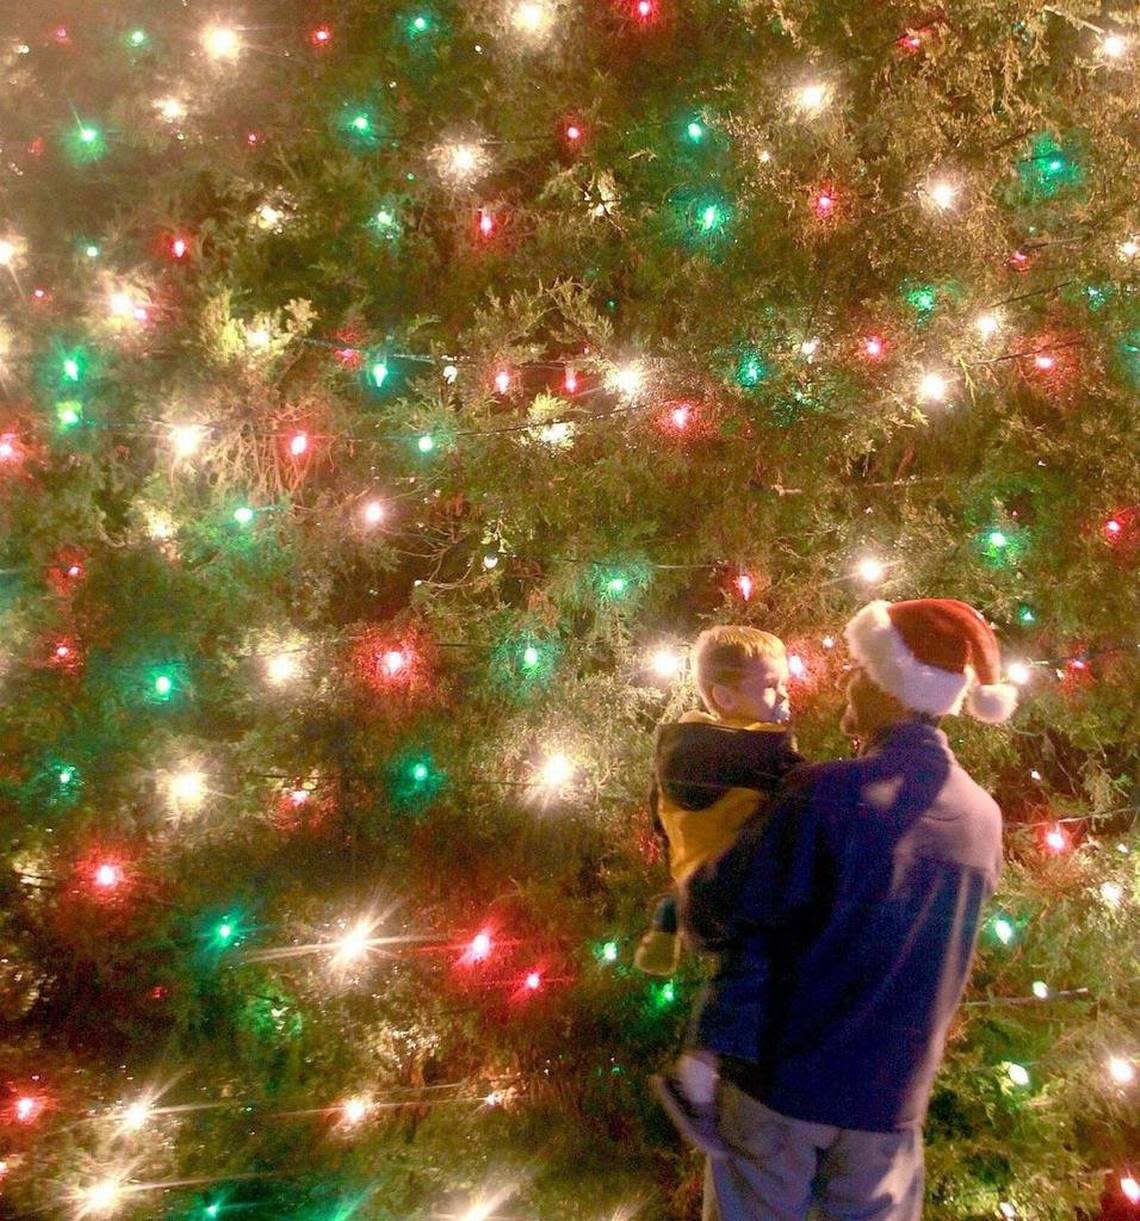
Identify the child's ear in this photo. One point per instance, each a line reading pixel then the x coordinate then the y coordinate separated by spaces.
pixel 724 697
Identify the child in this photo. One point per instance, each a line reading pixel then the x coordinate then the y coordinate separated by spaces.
pixel 712 772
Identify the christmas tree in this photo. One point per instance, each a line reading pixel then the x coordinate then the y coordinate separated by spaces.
pixel 390 392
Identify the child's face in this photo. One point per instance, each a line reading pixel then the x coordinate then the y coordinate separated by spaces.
pixel 760 694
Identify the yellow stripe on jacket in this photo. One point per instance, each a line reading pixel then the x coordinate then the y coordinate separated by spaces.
pixel 696 836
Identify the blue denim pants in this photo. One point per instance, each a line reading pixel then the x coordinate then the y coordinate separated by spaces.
pixel 783 1169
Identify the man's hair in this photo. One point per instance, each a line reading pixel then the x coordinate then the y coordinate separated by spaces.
pixel 724 653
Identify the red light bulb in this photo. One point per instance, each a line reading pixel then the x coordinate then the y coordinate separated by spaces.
pixel 570 382
pixel 744 584
pixel 486 222
pixel 299 444
pixel 1045 362
pixel 179 248
pixel 1056 840
pixel 321 36
pixel 107 875
pixel 502 381
pixel 873 346
pixel 533 981
pixel 824 204
pixel 680 416
pixel 573 132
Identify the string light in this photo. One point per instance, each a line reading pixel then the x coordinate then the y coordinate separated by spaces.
pixel 531 18
pixel 107 876
pixel 282 668
pixel 100 1198
pixel 812 97
pixel 1056 840
pixel 373 513
pixel 1129 248
pixel 298 444
pixel 870 570
pixel 188 788
pixel 353 1110
pixel 28 1108
pixel 354 944
pixel 933 388
pixel 1040 989
pixel 628 379
pixel 461 162
pixel 1121 1071
pixel 987 325
pixel 873 346
pixel 797 667
pixel 666 663
pixel 1018 1074
pixel 1112 893
pixel 680 417
pixel 136 1115
pixel 321 36
pixel 221 42
pixel 187 439
pixel 556 771
pixel 1004 930
pixel 426 443
pixel 171 110
pixel 1019 672
pixel 243 515
pixel 1114 46
pixel 943 195
pixel 533 981
pixel 745 585
pixel 502 381
pixel 1131 1189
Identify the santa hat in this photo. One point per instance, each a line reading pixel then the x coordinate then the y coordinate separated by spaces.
pixel 933 655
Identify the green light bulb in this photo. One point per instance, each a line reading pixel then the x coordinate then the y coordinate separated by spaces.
pixel 88 135
pixel 610 951
pixel 694 131
pixel 71 370
pixel 68 413
pixel 616 585
pixel 1040 989
pixel 91 250
pixel 710 217
pixel 1003 930
pixel 419 24
pixel 225 931
pixel 1026 614
pixel 163 685
pixel 426 443
pixel 360 122
pixel 530 657
pixel 420 773
pixel 212 1210
pixel 1018 1074
pixel 243 515
pixel 378 373
pixel 385 219
pixel 998 539
pixel 137 38
pixel 66 775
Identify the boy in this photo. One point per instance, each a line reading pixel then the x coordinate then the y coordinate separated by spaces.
pixel 712 772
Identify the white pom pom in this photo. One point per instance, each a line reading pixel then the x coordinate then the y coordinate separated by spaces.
pixel 993 703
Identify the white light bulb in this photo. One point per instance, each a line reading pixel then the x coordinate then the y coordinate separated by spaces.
pixel 1112 893
pixel 870 570
pixel 556 771
pixel 186 439
pixel 1114 46
pixel 809 347
pixel 531 17
pixel 101 1198
pixel 933 387
pixel 354 943
pixel 943 195
pixel 282 668
pixel 373 512
pixel 257 337
pixel 629 379
pixel 136 1115
pixel 7 253
pixel 987 325
pixel 450 373
pixel 666 663
pixel 812 97
pixel 464 158
pixel 170 109
pixel 1019 673
pixel 1129 248
pixel 188 788
pixel 797 667
pixel 1121 1070
pixel 354 1110
pixel 221 42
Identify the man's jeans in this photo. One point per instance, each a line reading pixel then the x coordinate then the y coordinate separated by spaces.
pixel 783 1169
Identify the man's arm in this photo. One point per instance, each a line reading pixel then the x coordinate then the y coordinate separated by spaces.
pixel 770 874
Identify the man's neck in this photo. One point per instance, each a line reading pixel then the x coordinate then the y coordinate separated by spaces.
pixel 867 741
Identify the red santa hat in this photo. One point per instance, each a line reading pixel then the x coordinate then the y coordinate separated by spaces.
pixel 933 655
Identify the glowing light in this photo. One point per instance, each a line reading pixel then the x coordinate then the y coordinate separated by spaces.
pixel 88 135
pixel 809 348
pixel 163 685
pixel 243 515
pixel 680 417
pixel 28 1108
pixel 486 222
pixel 257 337
pixel 828 642
pixel 531 17
pixel 533 981
pixel 354 944
pixel 100 1198
pixel 1004 930
pixel 998 539
pixel 71 369
pixel 188 788
pixel 695 131
pixel 298 444
pixel 610 951
pixel 1114 46
pixel 187 439
pixel 870 570
pixel 171 110
pixel 745 585
pixel 556 771
pixel 628 379
pixel 1019 672
pixel 933 388
pixel 321 36
pixel 178 248
pixel 797 667
pixel 1056 840
pixel 573 132
pixel 373 513
pixel 1129 248
pixel 378 373
pixel 353 1110
pixel 282 668
pixel 490 561
pixel 812 97
pixel 463 160
pixel 1040 989
pixel 107 876
pixel 1113 528
pixel 1121 1071
pixel 824 203
pixel 450 374
pixel 531 657
pixel 221 42
pixel 987 325
pixel 480 946
pixel 873 346
pixel 502 381
pixel 666 663
pixel 393 662
pixel 136 1115
pixel 644 9
pixel 1045 362
pixel 1018 1074
pixel 1112 893
pixel 1131 1189
pixel 137 38
pixel 426 443
pixel 7 252
pixel 66 775
pixel 943 195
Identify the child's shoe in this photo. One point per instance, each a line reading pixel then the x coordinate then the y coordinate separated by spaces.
pixel 696 1121
pixel 658 953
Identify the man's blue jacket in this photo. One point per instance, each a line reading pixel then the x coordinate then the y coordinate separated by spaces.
pixel 859 894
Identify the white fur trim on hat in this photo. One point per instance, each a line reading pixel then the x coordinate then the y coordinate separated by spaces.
pixel 877 646
pixel 993 703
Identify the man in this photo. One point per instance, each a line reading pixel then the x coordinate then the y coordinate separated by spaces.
pixel 863 890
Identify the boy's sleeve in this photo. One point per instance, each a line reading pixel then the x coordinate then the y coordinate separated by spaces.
pixel 775 870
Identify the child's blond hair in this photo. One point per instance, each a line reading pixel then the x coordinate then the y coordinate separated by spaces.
pixel 722 654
